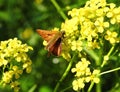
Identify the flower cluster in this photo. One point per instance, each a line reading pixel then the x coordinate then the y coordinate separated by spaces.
pixel 91 25
pixel 13 60
pixel 83 74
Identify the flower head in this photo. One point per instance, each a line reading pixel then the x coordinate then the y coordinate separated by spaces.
pixel 13 58
pixel 83 74
pixel 90 25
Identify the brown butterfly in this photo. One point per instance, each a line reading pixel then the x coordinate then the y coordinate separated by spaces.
pixel 54 39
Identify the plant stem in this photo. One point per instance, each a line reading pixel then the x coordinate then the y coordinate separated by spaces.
pixel 116 69
pixel 104 61
pixel 92 54
pixel 59 9
pixel 98 87
pixel 90 87
pixel 65 73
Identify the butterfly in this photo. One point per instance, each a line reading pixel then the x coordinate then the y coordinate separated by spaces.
pixel 54 39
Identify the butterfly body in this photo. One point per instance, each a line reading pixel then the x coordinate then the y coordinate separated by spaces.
pixel 54 39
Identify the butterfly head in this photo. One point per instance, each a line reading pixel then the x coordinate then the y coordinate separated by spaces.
pixel 63 33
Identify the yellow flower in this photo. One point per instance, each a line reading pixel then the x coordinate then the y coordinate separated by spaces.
pixel 15 85
pixel 111 37
pixel 100 24
pixel 7 76
pixel 76 45
pixel 27 66
pixel 74 12
pixel 95 76
pixel 87 28
pixel 70 26
pixel 83 74
pixel 13 56
pixel 96 72
pixel 106 58
pixel 96 80
pixel 113 14
pixel 45 43
pixel 88 79
pixel 78 84
pixel 17 72
pixel 28 69
pixel 16 89
pixel 93 44
pixel 81 68
pixel 3 62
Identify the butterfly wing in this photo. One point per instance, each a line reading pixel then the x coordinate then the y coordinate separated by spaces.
pixel 54 40
pixel 46 35
pixel 55 49
pixel 54 45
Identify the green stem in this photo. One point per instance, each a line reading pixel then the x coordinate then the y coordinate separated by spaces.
pixel 32 89
pixel 65 73
pixel 116 69
pixel 104 62
pixel 92 54
pixel 64 90
pixel 59 9
pixel 90 87
pixel 98 87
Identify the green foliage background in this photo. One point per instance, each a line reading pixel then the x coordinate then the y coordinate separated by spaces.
pixel 21 18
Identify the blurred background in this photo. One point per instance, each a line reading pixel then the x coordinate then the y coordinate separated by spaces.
pixel 21 18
